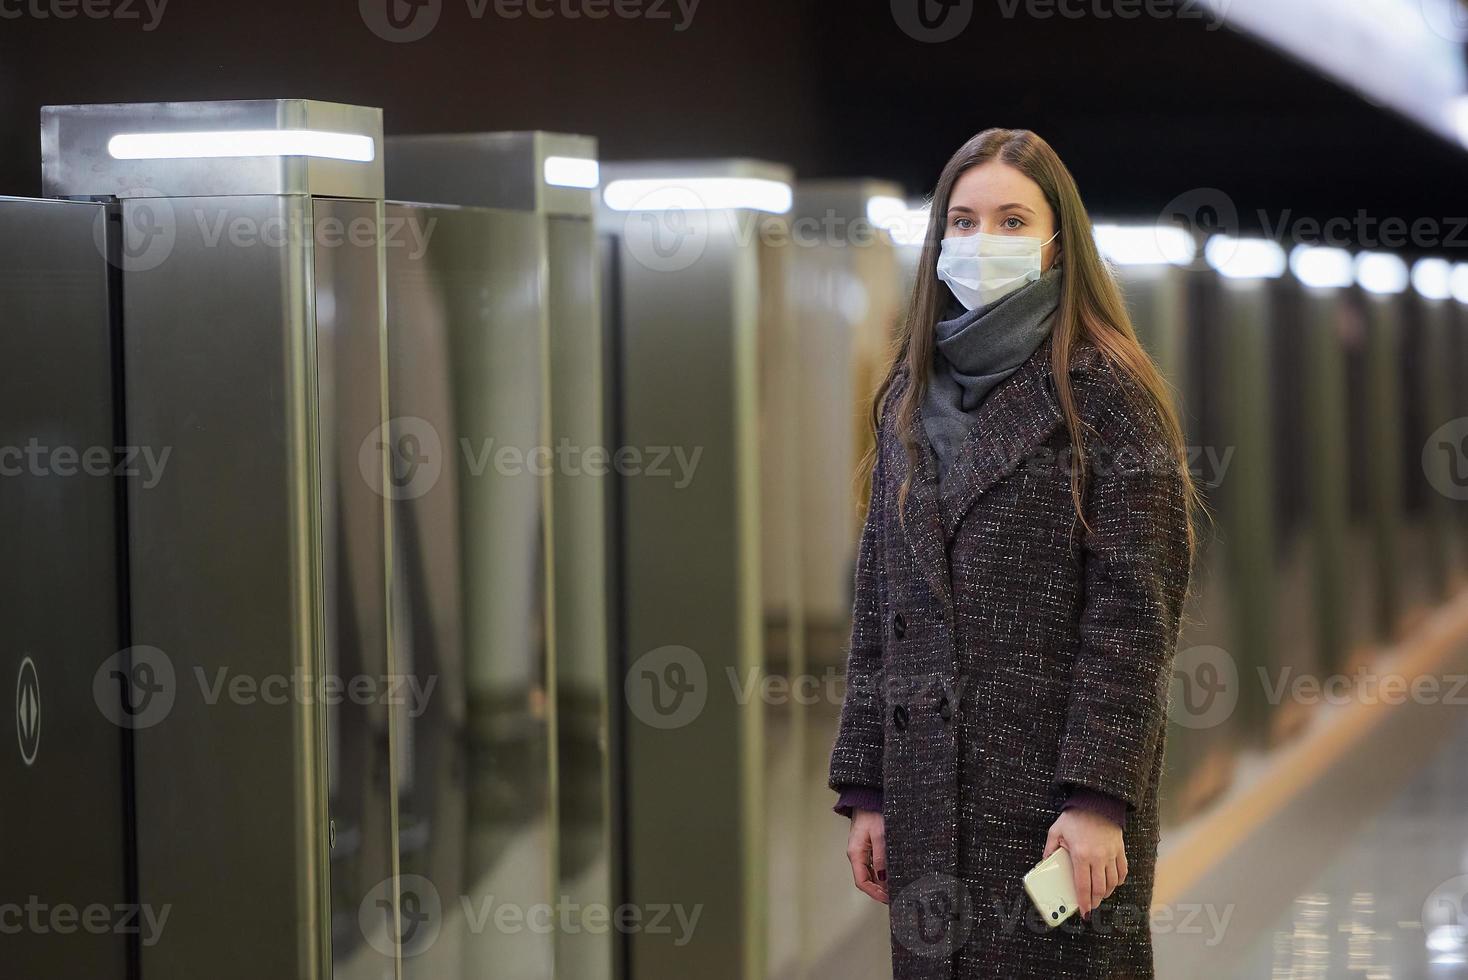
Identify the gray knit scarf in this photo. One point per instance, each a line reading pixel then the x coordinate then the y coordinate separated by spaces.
pixel 975 350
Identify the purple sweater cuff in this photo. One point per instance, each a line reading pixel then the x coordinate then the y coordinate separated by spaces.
pixel 1108 806
pixel 858 798
pixel 1081 797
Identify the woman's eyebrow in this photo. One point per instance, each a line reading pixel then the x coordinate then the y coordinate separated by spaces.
pixel 1016 206
pixel 961 207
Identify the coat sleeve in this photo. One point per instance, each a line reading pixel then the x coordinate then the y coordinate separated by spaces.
pixel 856 756
pixel 1136 567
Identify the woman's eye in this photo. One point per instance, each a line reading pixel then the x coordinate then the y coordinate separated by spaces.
pixel 1013 221
pixel 963 223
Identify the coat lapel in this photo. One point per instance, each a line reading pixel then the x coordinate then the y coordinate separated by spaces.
pixel 1016 418
pixel 1011 423
pixel 921 521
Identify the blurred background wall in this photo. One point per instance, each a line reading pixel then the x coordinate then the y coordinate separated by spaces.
pixel 1141 109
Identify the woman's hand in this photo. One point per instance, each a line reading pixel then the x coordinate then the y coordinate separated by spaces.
pixel 866 848
pixel 1097 854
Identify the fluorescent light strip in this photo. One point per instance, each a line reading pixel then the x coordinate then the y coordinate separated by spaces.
pixel 572 172
pixel 907 225
pixel 1432 278
pixel 1322 268
pixel 699 194
pixel 883 207
pixel 1405 55
pixel 1381 272
pixel 1459 113
pixel 1145 244
pixel 1245 258
pixel 1458 282
pixel 243 143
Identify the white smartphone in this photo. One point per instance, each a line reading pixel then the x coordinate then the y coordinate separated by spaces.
pixel 1051 885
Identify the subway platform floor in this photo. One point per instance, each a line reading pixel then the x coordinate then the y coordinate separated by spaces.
pixel 1392 902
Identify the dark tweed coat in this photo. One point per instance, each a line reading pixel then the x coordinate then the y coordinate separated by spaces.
pixel 999 654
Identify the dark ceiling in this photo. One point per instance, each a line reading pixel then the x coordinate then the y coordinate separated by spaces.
pixel 1142 110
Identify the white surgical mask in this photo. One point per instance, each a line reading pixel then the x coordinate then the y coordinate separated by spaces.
pixel 981 268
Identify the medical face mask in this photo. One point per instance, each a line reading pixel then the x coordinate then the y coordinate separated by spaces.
pixel 981 268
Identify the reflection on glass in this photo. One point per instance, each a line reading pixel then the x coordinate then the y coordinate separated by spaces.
pixel 465 343
pixel 354 624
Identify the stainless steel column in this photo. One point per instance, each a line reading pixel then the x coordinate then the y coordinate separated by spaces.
pixel 466 342
pixel 705 354
pixel 551 179
pixel 1450 459
pixel 252 340
pixel 1378 368
pixel 1200 746
pixel 1340 570
pixel 1230 396
pixel 66 839
pixel 846 296
pixel 1427 514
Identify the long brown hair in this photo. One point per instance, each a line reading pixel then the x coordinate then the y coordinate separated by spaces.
pixel 1091 307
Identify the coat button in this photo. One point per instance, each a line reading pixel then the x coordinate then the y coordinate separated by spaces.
pixel 899 626
pixel 899 717
pixel 945 711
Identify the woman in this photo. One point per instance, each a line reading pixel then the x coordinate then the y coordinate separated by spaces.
pixel 1019 583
